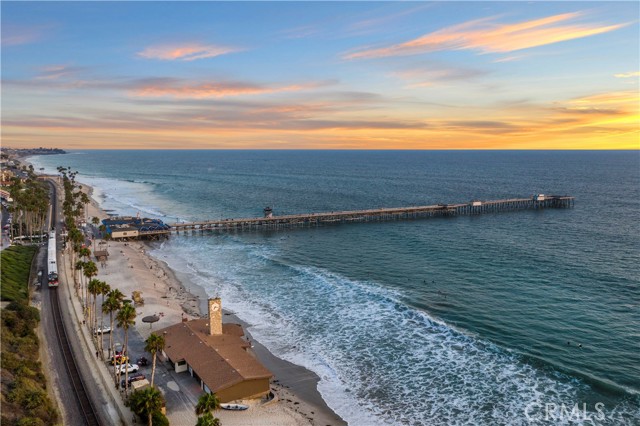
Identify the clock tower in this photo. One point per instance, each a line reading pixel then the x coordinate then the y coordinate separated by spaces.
pixel 215 316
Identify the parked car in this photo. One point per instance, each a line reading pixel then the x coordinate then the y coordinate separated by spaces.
pixel 142 361
pixel 131 368
pixel 119 359
pixel 102 330
pixel 133 378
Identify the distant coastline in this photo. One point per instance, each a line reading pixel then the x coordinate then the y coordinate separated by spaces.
pixel 25 152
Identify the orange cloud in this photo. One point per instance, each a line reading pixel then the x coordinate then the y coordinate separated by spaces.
pixel 185 52
pixel 628 74
pixel 627 98
pixel 488 37
pixel 55 72
pixel 330 120
pixel 211 90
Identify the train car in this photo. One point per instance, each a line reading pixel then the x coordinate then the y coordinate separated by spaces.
pixel 52 260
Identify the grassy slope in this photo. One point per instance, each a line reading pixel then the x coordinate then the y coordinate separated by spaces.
pixel 15 264
pixel 23 398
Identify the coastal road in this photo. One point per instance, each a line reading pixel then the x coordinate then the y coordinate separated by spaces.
pixel 181 391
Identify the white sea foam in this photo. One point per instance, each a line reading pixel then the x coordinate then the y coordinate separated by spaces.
pixel 121 196
pixel 379 360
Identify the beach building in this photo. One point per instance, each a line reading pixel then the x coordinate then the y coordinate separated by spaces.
pixel 216 355
pixel 128 227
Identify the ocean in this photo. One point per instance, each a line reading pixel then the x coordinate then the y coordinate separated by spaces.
pixel 520 318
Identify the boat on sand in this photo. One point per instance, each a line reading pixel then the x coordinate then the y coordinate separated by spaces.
pixel 234 407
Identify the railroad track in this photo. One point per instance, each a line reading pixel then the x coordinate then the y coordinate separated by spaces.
pixel 84 402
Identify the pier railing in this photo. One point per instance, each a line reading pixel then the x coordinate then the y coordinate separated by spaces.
pixel 383 214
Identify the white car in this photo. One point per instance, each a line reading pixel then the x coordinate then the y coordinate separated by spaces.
pixel 102 330
pixel 131 368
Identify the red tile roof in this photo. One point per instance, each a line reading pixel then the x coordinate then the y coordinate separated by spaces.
pixel 220 361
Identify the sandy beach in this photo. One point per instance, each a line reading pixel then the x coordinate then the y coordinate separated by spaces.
pixel 130 268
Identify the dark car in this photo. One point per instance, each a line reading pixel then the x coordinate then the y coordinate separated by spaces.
pixel 133 378
pixel 142 361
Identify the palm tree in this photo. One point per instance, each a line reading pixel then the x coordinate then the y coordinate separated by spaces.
pixel 79 267
pixel 207 402
pixel 102 228
pixel 126 318
pixel 94 289
pixel 75 238
pixel 154 344
pixel 104 290
pixel 84 199
pixel 146 402
pixel 85 253
pixel 207 419
pixel 95 221
pixel 90 270
pixel 111 305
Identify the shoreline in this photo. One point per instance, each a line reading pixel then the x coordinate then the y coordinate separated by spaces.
pixel 170 295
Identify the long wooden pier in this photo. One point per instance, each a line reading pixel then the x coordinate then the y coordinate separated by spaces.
pixel 384 214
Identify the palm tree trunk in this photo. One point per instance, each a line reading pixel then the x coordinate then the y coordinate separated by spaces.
pixel 111 335
pixel 101 328
pixel 95 316
pixel 125 354
pixel 116 372
pixel 153 367
pixel 89 313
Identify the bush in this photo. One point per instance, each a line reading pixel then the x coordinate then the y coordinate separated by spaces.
pixel 159 419
pixel 30 421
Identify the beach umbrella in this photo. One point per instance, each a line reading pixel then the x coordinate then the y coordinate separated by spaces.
pixel 151 319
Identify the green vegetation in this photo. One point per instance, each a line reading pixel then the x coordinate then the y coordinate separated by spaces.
pixel 147 403
pixel 24 397
pixel 207 419
pixel 154 344
pixel 207 403
pixel 16 263
pixel 30 205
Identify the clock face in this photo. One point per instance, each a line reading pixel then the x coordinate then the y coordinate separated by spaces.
pixel 215 308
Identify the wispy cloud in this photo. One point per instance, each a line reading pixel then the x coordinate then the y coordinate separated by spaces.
pixel 300 32
pixel 597 121
pixel 436 74
pixel 510 58
pixel 385 17
pixel 487 36
pixel 181 89
pixel 56 72
pixel 629 98
pixel 185 52
pixel 14 35
pixel 627 74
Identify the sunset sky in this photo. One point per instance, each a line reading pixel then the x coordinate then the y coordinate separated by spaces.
pixel 330 75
